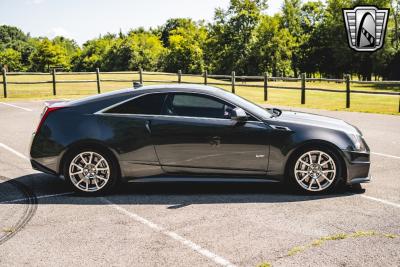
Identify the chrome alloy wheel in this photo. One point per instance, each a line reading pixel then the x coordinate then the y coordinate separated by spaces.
pixel 315 170
pixel 89 171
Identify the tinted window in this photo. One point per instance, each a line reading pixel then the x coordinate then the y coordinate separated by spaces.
pixel 147 104
pixel 192 105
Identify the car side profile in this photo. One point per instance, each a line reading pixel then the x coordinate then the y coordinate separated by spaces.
pixel 193 132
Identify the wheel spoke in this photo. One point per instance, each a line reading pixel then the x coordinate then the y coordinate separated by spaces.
pixel 305 163
pixel 322 164
pixel 78 172
pixel 83 159
pixel 326 178
pixel 319 158
pixel 101 178
pixel 309 155
pixel 102 169
pixel 97 164
pixel 97 185
pixel 318 183
pixel 305 176
pixel 311 183
pixel 77 166
pixel 91 157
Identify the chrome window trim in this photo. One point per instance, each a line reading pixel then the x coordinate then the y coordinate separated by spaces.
pixel 102 111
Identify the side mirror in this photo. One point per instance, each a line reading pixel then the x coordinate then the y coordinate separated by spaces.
pixel 238 114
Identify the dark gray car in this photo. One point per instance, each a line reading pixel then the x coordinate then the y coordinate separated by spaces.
pixel 193 132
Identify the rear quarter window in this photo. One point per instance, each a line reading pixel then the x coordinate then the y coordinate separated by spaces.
pixel 150 104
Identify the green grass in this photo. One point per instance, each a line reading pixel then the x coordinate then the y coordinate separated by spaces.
pixel 281 97
pixel 320 241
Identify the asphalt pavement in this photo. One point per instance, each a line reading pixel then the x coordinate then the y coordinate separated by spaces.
pixel 189 224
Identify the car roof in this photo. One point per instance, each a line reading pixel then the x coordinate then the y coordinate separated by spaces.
pixel 121 94
pixel 178 88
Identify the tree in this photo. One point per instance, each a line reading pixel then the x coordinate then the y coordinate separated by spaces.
pixel 48 55
pixel 137 50
pixel 10 59
pixel 171 25
pixel 272 52
pixel 10 34
pixel 291 20
pixel 312 15
pixel 231 35
pixel 15 39
pixel 92 55
pixel 185 50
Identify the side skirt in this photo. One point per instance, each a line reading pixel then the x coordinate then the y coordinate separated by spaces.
pixel 201 179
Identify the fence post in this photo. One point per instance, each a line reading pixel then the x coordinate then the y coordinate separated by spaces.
pixel 233 81
pixel 399 102
pixel 303 88
pixel 98 80
pixel 141 76
pixel 265 86
pixel 179 76
pixel 5 82
pixel 347 78
pixel 205 77
pixel 53 74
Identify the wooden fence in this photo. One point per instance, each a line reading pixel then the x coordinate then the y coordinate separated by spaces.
pixel 223 80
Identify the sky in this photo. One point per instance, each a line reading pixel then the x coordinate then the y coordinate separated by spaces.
pixel 86 19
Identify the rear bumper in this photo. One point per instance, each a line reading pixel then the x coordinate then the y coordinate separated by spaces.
pixel 358 167
pixel 39 167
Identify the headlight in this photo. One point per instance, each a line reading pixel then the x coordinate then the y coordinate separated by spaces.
pixel 358 142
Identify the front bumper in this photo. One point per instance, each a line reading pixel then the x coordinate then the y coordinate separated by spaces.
pixel 357 166
pixel 361 180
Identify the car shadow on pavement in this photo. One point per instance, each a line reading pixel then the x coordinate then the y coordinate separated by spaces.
pixel 175 194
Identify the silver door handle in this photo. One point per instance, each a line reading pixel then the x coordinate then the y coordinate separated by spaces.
pixel 147 125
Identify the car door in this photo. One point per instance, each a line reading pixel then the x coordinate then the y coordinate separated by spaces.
pixel 195 134
pixel 127 130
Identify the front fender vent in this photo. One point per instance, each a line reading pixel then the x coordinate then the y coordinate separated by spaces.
pixel 280 128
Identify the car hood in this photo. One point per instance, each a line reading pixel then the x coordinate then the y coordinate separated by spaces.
pixel 317 121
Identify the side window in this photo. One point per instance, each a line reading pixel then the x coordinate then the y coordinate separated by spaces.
pixel 148 104
pixel 193 105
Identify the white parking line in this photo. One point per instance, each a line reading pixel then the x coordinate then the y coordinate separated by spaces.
pixel 15 106
pixel 38 197
pixel 195 247
pixel 385 155
pixel 15 152
pixel 382 201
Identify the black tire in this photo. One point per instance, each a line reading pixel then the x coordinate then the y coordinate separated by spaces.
pixel 113 177
pixel 295 184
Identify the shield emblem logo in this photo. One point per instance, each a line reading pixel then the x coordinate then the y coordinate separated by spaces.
pixel 366 27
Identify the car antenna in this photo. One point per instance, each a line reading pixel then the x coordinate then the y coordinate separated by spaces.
pixel 137 85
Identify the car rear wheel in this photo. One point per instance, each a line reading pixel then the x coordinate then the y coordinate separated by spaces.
pixel 90 171
pixel 315 170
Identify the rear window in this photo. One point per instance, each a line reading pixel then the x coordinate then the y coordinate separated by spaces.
pixel 150 104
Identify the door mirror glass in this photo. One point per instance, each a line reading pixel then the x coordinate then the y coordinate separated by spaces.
pixel 238 114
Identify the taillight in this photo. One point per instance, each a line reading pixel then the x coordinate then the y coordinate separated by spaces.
pixel 46 111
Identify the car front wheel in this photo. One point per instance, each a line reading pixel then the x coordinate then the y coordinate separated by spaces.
pixel 90 172
pixel 315 170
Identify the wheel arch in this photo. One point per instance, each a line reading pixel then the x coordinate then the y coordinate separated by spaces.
pixel 94 144
pixel 317 143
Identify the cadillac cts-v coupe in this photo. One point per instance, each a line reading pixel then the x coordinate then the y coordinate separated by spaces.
pixel 193 132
